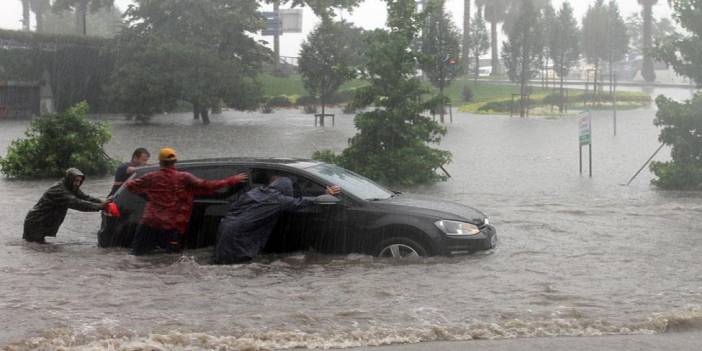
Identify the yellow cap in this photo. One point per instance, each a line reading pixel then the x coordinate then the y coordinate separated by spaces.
pixel 167 154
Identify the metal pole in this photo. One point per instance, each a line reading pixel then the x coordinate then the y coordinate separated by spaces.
pixel 276 35
pixel 644 165
pixel 614 103
pixel 590 156
pixel 581 159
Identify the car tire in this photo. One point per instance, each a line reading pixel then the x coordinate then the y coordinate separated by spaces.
pixel 399 248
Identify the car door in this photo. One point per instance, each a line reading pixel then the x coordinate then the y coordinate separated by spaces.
pixel 209 209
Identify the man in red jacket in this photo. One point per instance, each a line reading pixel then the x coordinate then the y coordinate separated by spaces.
pixel 170 193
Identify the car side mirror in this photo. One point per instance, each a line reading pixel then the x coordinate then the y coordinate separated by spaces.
pixel 326 200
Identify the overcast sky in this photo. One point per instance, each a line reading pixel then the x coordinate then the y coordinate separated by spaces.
pixel 371 14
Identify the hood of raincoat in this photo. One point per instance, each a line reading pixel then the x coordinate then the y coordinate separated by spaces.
pixel 284 185
pixel 71 174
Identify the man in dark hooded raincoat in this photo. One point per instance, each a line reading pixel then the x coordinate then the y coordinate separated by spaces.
pixel 48 214
pixel 248 225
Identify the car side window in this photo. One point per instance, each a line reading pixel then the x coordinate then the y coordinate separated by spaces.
pixel 301 186
pixel 310 188
pixel 216 173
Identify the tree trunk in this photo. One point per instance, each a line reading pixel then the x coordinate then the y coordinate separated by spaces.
pixel 594 86
pixel 477 68
pixel 323 102
pixel 196 110
pixel 441 108
pixel 493 43
pixel 205 113
pixel 81 16
pixel 466 35
pixel 647 70
pixel 39 19
pixel 561 74
pixel 25 15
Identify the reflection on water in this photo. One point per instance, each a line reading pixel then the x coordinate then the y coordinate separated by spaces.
pixel 577 256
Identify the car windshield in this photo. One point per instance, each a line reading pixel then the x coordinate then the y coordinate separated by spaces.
pixel 351 182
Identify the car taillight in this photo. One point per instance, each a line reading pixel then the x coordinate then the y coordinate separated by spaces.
pixel 112 210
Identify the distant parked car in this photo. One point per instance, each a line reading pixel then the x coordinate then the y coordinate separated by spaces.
pixel 365 218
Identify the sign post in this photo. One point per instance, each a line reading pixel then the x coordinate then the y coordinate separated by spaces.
pixel 585 136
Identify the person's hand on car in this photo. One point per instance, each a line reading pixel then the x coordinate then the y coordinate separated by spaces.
pixel 239 178
pixel 333 190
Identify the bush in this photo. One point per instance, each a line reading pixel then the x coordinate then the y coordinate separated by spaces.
pixel 279 101
pixel 310 109
pixel 306 100
pixel 680 123
pixel 57 142
pixel 327 156
pixel 467 94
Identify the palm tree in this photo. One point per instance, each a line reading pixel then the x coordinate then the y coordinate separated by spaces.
pixel 40 7
pixel 647 70
pixel 25 15
pixel 494 11
pixel 466 36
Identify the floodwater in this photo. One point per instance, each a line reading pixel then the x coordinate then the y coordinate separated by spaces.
pixel 576 256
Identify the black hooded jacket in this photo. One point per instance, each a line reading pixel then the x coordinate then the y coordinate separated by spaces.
pixel 245 230
pixel 48 214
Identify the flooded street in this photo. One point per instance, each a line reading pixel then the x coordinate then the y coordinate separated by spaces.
pixel 576 256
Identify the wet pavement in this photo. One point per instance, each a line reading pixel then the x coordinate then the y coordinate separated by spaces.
pixel 576 256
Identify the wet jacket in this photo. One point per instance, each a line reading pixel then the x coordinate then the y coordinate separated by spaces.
pixel 45 218
pixel 248 225
pixel 171 193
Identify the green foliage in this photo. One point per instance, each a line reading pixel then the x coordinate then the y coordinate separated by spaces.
pixel 306 100
pixel 479 41
pixel 391 145
pixel 564 41
pixel 329 58
pixel 279 101
pixel 440 42
pixel 79 67
pixel 681 125
pixel 200 52
pixel 57 142
pixel 683 51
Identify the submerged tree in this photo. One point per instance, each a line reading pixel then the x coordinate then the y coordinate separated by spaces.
pixel 682 122
pixel 391 145
pixel 329 58
pixel 441 48
pixel 200 52
pixel 564 45
pixel 523 51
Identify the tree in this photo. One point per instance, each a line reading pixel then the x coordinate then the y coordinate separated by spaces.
pixel 523 50
pixel 595 33
pixel 547 25
pixel 57 142
pixel 465 57
pixel 479 41
pixel 329 58
pixel 647 70
pixel 80 8
pixel 105 22
pixel 682 122
pixel 40 8
pixel 25 15
pixel 618 39
pixel 495 11
pixel 391 145
pixel 441 48
pixel 200 52
pixel 564 45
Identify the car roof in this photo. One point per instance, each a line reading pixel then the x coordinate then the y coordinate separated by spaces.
pixel 298 163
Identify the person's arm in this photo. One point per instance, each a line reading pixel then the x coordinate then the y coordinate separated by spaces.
pixel 202 187
pixel 289 203
pixel 67 199
pixel 83 196
pixel 139 185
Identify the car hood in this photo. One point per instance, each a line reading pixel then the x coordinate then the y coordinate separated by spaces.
pixel 427 206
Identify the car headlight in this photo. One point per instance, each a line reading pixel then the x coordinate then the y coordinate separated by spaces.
pixel 457 228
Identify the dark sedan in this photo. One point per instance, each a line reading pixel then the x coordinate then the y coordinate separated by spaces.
pixel 365 218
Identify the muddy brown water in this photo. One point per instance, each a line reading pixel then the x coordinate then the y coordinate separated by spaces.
pixel 576 256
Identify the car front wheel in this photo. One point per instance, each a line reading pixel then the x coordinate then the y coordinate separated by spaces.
pixel 400 248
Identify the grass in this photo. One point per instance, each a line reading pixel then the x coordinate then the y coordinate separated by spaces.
pixel 292 86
